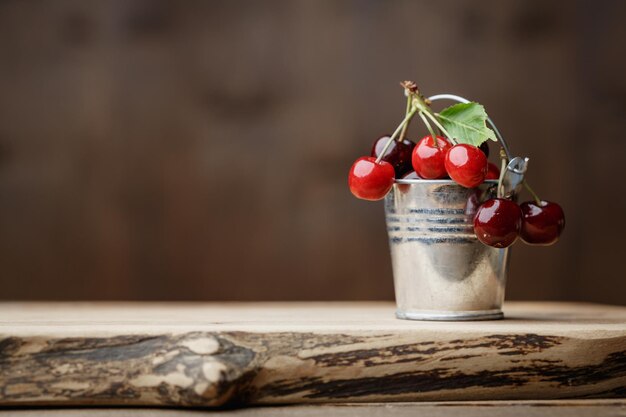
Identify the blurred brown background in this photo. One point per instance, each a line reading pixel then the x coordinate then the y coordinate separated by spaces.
pixel 199 150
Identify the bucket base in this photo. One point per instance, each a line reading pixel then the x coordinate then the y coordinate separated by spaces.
pixel 450 315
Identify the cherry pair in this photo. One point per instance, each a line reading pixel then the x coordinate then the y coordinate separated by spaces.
pixel 466 164
pixel 498 222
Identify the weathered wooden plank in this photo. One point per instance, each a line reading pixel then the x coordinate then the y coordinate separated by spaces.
pixel 569 408
pixel 241 354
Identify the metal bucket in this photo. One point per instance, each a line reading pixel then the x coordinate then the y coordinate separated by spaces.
pixel 441 270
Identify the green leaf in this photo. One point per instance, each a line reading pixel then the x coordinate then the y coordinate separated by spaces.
pixel 467 123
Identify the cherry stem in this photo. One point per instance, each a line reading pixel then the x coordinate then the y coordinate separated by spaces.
pixel 532 193
pixel 407 118
pixel 443 129
pixel 406 125
pixel 425 108
pixel 503 166
pixel 430 129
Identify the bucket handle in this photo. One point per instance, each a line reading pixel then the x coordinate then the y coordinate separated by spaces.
pixel 460 99
pixel 512 179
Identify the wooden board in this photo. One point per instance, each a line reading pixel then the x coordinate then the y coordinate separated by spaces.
pixel 285 353
pixel 551 408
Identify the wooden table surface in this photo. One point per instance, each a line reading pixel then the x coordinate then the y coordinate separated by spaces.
pixel 203 355
pixel 549 408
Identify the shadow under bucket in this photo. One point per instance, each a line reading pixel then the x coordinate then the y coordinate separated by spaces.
pixel 441 270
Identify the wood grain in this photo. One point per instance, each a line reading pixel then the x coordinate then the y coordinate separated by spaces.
pixel 245 354
pixel 567 408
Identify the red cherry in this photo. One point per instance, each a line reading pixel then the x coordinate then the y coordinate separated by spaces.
pixel 428 157
pixel 466 164
pixel 493 172
pixel 370 180
pixel 497 222
pixel 541 224
pixel 398 153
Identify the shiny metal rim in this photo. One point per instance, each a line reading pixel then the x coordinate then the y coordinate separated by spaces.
pixel 425 181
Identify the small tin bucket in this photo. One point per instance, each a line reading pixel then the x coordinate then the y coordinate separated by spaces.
pixel 441 270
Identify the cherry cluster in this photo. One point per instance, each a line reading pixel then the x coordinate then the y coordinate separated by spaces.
pixel 372 177
pixel 498 222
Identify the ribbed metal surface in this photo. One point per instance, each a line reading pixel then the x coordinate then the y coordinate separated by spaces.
pixel 441 270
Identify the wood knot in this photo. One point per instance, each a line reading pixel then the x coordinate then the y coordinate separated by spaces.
pixel 205 345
